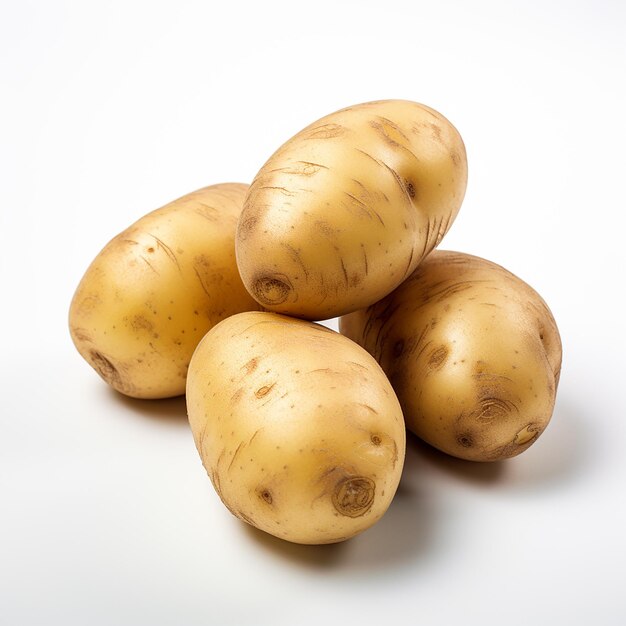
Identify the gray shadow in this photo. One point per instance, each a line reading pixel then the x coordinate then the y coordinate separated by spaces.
pixel 402 536
pixel 171 411
pixel 307 556
pixel 470 471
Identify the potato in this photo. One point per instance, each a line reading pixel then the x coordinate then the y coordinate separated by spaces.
pixel 344 211
pixel 472 351
pixel 297 427
pixel 156 289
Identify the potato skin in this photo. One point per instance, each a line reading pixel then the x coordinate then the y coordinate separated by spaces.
pixel 472 351
pixel 297 427
pixel 155 289
pixel 346 209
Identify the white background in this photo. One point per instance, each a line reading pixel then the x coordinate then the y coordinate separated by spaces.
pixel 111 109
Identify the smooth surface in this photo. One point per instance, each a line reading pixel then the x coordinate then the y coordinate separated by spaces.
pixel 110 110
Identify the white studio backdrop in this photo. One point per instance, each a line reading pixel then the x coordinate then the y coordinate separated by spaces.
pixel 111 109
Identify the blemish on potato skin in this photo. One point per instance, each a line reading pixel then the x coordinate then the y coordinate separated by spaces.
pixel 371 409
pixel 265 495
pixel 354 496
pixel 492 407
pixel 108 371
pixel 251 365
pixel 263 391
pixel 465 440
pixel 526 434
pixel 438 358
pixel 522 440
pixel 271 290
pixel 237 395
pixel 81 334
pixel 139 322
pixel 247 227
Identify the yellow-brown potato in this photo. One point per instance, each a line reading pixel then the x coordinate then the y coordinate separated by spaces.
pixel 345 210
pixel 297 427
pixel 472 351
pixel 156 289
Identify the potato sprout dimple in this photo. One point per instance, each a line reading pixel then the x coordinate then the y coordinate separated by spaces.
pixel 354 496
pixel 266 496
pixel 270 290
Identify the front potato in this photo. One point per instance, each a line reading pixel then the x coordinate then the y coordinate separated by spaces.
pixel 297 427
pixel 155 290
pixel 472 351
pixel 345 210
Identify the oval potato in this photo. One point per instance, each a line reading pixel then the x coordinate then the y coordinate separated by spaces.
pixel 156 288
pixel 297 427
pixel 472 351
pixel 346 209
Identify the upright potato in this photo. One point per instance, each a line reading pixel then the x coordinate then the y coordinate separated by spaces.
pixel 156 289
pixel 297 427
pixel 344 211
pixel 472 351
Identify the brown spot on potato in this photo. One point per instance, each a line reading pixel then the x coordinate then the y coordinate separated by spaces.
pixel 465 440
pixel 271 290
pixel 139 322
pixel 251 365
pixel 438 357
pixel 236 396
pixel 246 227
pixel 436 132
pixel 354 496
pixel 376 440
pixel 106 369
pixel 456 158
pixel 266 495
pixel 81 334
pixel 410 188
pixel 263 391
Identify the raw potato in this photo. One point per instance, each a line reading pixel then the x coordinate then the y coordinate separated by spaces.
pixel 297 427
pixel 344 211
pixel 156 289
pixel 472 351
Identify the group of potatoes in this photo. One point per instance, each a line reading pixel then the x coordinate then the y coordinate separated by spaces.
pixel 302 429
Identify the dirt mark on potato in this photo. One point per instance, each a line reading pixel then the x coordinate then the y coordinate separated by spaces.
pixel 108 371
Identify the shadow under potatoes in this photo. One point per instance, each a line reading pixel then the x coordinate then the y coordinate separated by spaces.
pixel 170 411
pixel 479 473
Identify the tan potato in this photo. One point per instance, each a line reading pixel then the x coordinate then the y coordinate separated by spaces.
pixel 297 427
pixel 344 211
pixel 156 289
pixel 472 351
